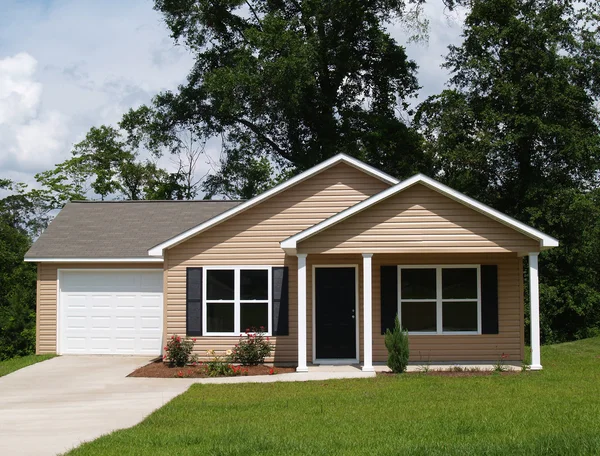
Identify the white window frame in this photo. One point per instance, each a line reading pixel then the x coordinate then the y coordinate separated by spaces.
pixel 439 301
pixel 237 301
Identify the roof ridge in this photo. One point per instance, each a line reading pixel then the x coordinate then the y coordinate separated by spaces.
pixel 155 201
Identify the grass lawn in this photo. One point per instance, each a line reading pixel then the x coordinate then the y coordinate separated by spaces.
pixel 556 411
pixel 14 364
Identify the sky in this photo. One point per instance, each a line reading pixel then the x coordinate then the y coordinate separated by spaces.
pixel 68 65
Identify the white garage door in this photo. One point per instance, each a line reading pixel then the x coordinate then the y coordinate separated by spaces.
pixel 111 312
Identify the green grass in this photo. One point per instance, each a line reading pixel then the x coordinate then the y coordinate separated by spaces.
pixel 555 411
pixel 14 364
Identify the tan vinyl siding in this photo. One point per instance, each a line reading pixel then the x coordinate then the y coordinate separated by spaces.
pixel 485 347
pixel 418 220
pixel 47 294
pixel 252 238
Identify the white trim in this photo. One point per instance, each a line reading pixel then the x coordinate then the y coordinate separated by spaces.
pixel 236 301
pixel 439 300
pixel 314 319
pixel 340 158
pixel 302 367
pixel 534 304
pixel 59 272
pixel 545 240
pixel 94 260
pixel 367 313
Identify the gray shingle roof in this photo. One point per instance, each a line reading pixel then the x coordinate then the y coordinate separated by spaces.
pixel 120 229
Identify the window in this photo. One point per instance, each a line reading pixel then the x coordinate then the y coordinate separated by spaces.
pixel 440 299
pixel 236 299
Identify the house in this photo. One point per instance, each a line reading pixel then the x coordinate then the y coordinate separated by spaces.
pixel 323 261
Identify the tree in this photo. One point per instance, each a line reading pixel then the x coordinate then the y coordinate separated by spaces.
pixel 287 84
pixel 519 129
pixel 106 164
pixel 17 279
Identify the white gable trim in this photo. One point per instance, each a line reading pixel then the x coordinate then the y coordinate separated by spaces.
pixel 290 244
pixel 94 260
pixel 340 158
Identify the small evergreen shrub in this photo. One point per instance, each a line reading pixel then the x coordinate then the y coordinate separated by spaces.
pixel 178 351
pixel 252 348
pixel 396 342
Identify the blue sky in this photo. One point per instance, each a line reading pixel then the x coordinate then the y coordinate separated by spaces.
pixel 67 65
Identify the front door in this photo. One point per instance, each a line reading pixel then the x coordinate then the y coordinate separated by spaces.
pixel 335 313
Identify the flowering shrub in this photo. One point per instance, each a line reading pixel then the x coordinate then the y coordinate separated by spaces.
pixel 500 364
pixel 218 366
pixel 178 351
pixel 252 348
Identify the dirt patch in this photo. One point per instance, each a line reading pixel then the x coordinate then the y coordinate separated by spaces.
pixel 449 373
pixel 158 369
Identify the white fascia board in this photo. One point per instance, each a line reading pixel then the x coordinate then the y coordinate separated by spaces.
pixel 94 260
pixel 545 240
pixel 340 158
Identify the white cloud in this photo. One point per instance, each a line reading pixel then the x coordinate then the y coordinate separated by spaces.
pixel 19 93
pixel 29 139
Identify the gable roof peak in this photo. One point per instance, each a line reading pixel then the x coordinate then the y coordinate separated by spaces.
pixel 546 241
pixel 332 161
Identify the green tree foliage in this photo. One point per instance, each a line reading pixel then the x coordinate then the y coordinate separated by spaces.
pixel 519 129
pixel 17 279
pixel 396 342
pixel 288 84
pixel 105 164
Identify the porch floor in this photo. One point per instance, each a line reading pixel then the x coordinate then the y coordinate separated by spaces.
pixel 415 367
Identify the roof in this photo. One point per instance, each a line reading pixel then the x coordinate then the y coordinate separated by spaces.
pixel 123 230
pixel 290 244
pixel 157 251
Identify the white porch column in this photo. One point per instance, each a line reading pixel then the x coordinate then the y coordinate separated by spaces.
pixel 368 312
pixel 302 367
pixel 534 299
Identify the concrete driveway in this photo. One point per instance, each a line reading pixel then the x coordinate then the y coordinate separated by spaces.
pixel 53 406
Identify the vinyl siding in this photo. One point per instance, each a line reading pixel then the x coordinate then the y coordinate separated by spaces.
pixel 252 238
pixel 47 294
pixel 418 220
pixel 485 347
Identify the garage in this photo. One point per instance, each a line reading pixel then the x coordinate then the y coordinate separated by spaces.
pixel 118 312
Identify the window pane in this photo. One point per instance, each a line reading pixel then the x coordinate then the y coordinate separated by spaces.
pixel 459 316
pixel 459 283
pixel 219 317
pixel 419 316
pixel 219 284
pixel 418 283
pixel 254 284
pixel 254 315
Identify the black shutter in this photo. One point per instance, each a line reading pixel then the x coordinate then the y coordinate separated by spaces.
pixel 193 297
pixel 489 299
pixel 281 304
pixel 389 297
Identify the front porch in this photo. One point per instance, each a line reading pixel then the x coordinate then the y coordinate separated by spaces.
pixel 329 345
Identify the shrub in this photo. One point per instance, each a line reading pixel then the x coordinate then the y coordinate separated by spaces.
pixel 179 351
pixel 396 342
pixel 252 348
pixel 216 366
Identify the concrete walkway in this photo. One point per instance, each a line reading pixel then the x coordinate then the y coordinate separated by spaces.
pixel 53 406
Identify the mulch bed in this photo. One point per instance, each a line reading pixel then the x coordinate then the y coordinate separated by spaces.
pixel 158 369
pixel 450 373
